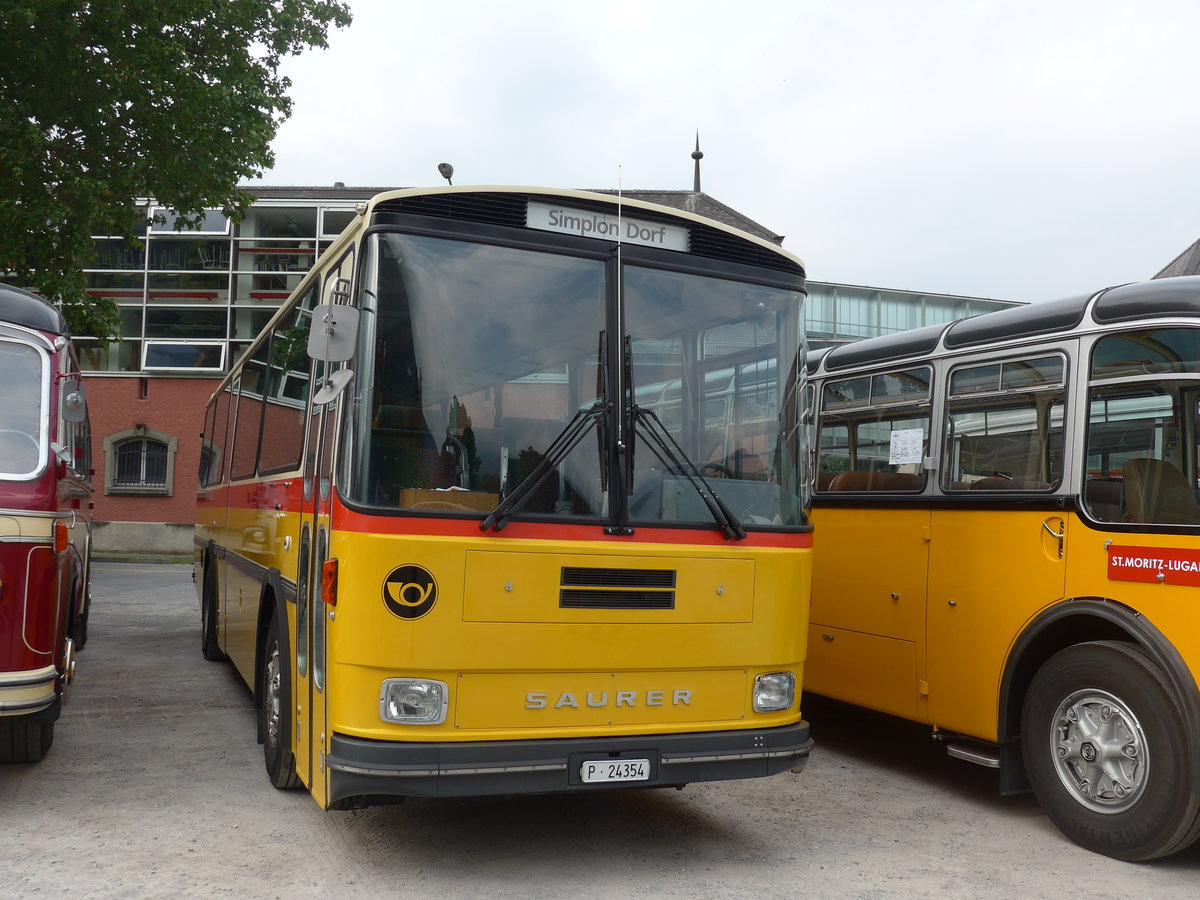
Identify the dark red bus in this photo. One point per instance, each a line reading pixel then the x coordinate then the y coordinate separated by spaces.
pixel 45 526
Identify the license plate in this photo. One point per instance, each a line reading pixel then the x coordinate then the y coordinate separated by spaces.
pixel 597 770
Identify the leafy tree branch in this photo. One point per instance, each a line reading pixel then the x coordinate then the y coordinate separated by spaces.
pixel 103 102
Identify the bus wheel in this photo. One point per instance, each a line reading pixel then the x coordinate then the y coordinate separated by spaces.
pixel 77 626
pixel 24 740
pixel 1107 753
pixel 274 713
pixel 208 618
pixel 81 629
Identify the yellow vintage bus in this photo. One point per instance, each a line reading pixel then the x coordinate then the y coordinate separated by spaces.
pixel 492 505
pixel 1009 550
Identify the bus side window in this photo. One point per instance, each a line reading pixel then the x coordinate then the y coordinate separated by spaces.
pixel 875 453
pixel 247 428
pixel 834 455
pixel 1002 438
pixel 286 394
pixel 875 434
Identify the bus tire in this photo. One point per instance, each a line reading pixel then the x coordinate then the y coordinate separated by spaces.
pixel 274 710
pixel 1107 752
pixel 25 740
pixel 208 618
pixel 81 630
pixel 77 627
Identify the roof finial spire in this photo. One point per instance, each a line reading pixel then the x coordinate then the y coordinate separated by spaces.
pixel 697 156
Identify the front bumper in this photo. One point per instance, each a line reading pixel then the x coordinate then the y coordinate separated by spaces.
pixel 367 769
pixel 27 692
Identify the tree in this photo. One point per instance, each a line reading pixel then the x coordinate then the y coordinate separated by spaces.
pixel 106 101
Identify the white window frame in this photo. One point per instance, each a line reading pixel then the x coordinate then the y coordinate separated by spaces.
pixel 150 343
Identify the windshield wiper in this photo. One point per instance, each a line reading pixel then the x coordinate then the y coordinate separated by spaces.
pixel 664 446
pixel 671 455
pixel 560 448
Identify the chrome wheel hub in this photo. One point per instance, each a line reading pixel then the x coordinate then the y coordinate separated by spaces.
pixel 1099 751
pixel 273 700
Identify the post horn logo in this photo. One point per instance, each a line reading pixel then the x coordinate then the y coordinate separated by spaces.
pixel 409 592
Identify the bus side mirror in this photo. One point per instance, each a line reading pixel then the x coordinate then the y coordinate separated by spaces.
pixel 333 385
pixel 74 403
pixel 334 333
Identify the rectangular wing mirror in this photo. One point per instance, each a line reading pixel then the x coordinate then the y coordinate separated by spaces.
pixel 334 333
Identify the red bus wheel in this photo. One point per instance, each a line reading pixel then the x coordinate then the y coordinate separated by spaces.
pixel 24 740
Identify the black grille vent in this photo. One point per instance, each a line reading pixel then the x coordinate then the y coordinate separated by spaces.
pixel 492 209
pixel 717 244
pixel 648 578
pixel 581 599
pixel 617 588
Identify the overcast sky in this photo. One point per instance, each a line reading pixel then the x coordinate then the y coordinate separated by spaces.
pixel 1014 149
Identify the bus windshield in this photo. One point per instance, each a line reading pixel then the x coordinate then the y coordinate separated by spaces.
pixel 23 371
pixel 707 357
pixel 476 360
pixel 472 360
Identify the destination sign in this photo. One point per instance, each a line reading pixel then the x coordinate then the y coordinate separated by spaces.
pixel 1164 565
pixel 588 223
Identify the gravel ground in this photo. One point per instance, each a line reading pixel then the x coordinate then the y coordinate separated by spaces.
pixel 155 788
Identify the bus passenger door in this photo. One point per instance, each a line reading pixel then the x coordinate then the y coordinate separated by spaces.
pixel 991 570
pixel 308 669
pixel 998 544
pixel 868 606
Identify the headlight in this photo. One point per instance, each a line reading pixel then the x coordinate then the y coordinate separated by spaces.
pixel 774 692
pixel 413 701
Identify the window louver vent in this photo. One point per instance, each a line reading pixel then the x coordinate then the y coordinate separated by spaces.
pixel 717 244
pixel 617 588
pixel 492 209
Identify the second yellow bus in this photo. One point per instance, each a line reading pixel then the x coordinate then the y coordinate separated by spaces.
pixel 1008 540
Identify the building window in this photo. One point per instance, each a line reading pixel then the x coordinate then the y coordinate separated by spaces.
pixel 186 355
pixel 214 221
pixel 139 461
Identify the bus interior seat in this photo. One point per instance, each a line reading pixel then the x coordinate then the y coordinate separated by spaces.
pixel 1156 491
pixel 404 453
pixel 748 465
pixel 855 480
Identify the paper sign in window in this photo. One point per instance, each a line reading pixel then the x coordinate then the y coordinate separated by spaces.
pixel 905 446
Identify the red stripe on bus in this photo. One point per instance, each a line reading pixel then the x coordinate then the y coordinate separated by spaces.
pixel 344 519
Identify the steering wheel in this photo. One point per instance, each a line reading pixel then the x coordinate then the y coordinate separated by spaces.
pixel 722 470
pixel 29 437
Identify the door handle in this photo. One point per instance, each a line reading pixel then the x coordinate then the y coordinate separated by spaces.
pixel 1057 535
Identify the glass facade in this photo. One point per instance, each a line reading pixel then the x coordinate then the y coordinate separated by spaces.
pixel 191 301
pixel 839 313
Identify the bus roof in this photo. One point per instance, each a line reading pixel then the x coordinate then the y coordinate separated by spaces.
pixel 505 205
pixel 23 308
pixel 1146 299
